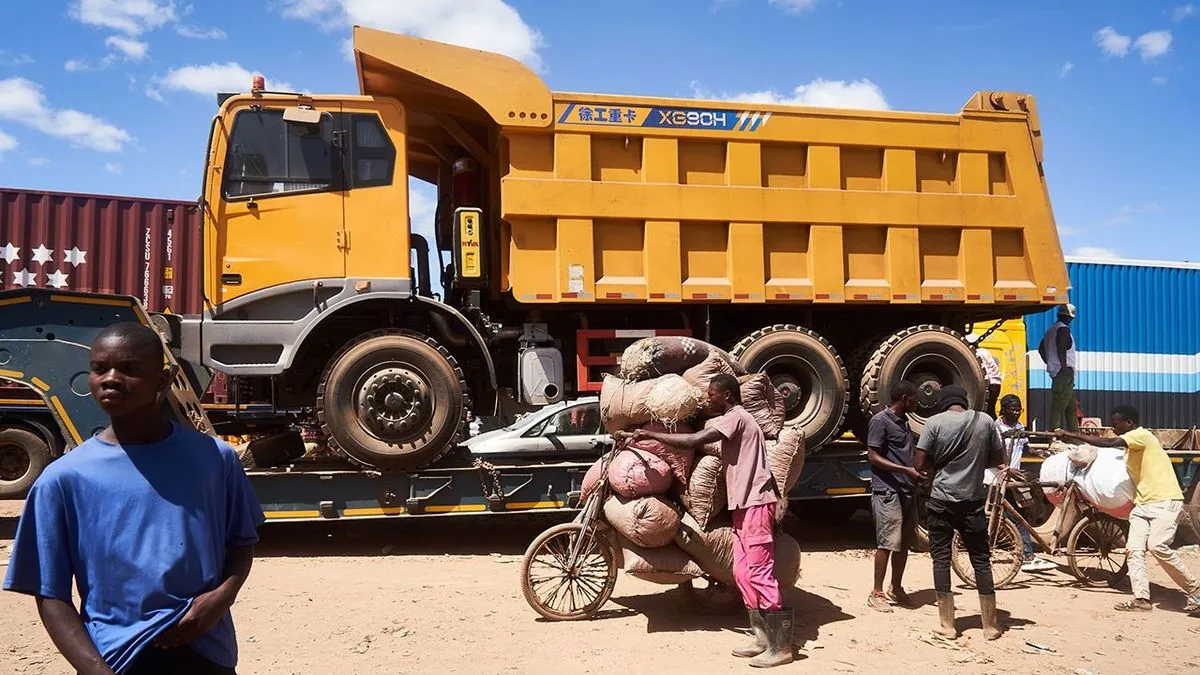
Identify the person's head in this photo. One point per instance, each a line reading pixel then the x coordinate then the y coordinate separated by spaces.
pixel 723 393
pixel 952 395
pixel 904 397
pixel 127 372
pixel 1124 418
pixel 1066 313
pixel 1010 408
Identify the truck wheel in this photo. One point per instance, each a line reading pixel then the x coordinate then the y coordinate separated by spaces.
pixel 392 400
pixel 23 456
pixel 931 357
pixel 807 371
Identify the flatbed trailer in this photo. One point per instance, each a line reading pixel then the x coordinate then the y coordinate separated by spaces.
pixel 44 341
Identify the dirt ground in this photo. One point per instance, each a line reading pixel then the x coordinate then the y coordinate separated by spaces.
pixel 443 596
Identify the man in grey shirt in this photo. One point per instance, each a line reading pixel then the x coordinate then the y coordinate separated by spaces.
pixel 956 447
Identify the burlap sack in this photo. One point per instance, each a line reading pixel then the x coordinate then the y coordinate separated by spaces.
pixel 647 521
pixel 672 400
pixel 623 403
pixel 664 565
pixel 785 459
pixel 713 448
pixel 655 356
pixel 703 496
pixel 679 459
pixel 637 473
pixel 591 479
pixel 762 400
pixel 700 374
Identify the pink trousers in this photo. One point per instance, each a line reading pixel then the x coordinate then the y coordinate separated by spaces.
pixel 754 557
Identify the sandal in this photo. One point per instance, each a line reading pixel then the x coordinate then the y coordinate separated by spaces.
pixel 1135 605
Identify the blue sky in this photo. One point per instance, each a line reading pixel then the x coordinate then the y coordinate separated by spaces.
pixel 114 96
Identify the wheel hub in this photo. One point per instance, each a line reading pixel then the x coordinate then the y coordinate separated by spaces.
pixel 789 389
pixel 394 402
pixel 14 463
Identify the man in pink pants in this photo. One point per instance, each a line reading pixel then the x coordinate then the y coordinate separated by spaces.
pixel 752 495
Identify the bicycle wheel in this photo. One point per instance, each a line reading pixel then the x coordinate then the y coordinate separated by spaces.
pixel 1007 555
pixel 1097 550
pixel 560 591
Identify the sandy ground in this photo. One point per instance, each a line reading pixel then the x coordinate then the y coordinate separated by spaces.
pixel 443 596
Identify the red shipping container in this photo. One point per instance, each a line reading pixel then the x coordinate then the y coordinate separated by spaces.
pixel 147 248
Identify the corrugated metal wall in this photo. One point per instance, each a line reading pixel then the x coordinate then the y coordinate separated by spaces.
pixel 142 247
pixel 1138 338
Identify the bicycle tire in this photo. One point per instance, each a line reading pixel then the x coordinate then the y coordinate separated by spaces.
pixel 542 544
pixel 1004 566
pixel 1110 536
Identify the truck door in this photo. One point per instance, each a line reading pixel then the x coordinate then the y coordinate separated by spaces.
pixel 280 215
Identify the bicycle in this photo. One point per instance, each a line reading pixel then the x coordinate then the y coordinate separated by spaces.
pixel 569 571
pixel 1096 546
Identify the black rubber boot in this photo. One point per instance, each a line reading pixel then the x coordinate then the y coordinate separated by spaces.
pixel 759 625
pixel 780 640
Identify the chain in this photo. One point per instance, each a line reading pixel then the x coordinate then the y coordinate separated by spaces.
pixel 487 473
pixel 988 333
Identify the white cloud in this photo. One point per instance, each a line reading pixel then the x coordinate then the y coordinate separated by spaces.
pixel 491 25
pixel 1065 70
pixel 155 94
pixel 819 93
pixel 76 65
pixel 1153 45
pixel 24 102
pixel 1112 43
pixel 196 33
pixel 132 17
pixel 422 205
pixel 214 78
pixel 1095 253
pixel 133 50
pixel 1183 12
pixel 113 167
pixel 1159 80
pixel 794 6
pixel 7 143
pixel 1125 214
pixel 38 161
pixel 7 58
pixel 1067 231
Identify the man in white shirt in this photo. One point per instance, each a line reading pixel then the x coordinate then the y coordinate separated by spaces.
pixel 1009 425
pixel 1058 352
pixel 991 372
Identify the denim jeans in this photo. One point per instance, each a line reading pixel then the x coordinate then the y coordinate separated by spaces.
pixel 970 521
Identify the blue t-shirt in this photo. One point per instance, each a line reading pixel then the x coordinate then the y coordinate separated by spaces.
pixel 142 529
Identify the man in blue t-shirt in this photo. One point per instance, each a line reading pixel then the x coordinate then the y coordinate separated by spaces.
pixel 893 493
pixel 154 523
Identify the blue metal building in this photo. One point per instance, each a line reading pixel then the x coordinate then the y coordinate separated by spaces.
pixel 1137 335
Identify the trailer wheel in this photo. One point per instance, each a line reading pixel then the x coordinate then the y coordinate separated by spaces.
pixel 807 371
pixel 392 400
pixel 23 456
pixel 931 357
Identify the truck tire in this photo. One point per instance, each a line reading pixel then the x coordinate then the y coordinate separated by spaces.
pixel 23 456
pixel 392 400
pixel 809 374
pixel 931 357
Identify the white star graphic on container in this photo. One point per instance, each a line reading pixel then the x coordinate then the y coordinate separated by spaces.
pixel 74 256
pixel 24 278
pixel 43 255
pixel 10 253
pixel 57 279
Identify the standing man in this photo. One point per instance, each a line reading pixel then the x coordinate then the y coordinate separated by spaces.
pixel 154 523
pixel 752 496
pixel 1157 502
pixel 991 372
pixel 957 446
pixel 1058 352
pixel 1011 430
pixel 893 483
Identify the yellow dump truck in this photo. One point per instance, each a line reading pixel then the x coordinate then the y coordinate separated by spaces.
pixel 838 250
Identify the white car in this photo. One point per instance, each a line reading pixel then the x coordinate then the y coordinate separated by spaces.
pixel 563 429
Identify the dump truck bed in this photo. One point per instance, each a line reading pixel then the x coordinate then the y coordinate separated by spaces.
pixel 607 198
